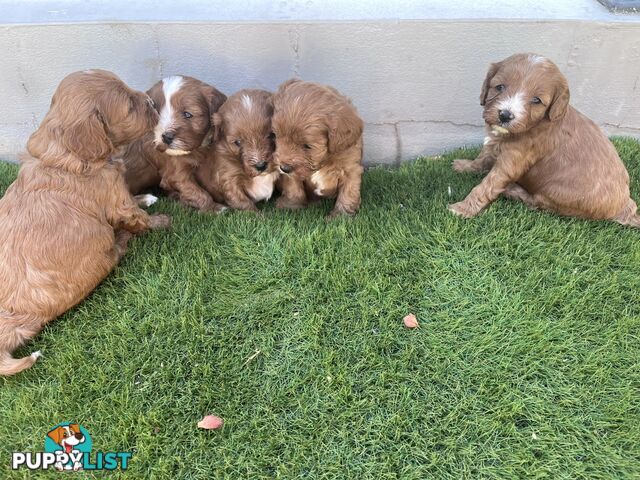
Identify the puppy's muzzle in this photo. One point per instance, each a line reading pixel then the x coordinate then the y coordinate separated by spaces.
pixel 505 116
pixel 284 168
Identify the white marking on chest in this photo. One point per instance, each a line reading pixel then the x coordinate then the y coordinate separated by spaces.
pixel 515 104
pixel 319 182
pixel 170 86
pixel 261 187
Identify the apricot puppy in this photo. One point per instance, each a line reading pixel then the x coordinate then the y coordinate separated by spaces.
pixel 318 146
pixel 66 220
pixel 239 170
pixel 542 151
pixel 168 157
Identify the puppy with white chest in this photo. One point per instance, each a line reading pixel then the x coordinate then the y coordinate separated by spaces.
pixel 318 146
pixel 239 170
pixel 169 156
pixel 542 151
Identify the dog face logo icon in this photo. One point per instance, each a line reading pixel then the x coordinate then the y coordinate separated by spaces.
pixel 73 441
pixel 68 447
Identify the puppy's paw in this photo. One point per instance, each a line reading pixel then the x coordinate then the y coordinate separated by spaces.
pixel 219 209
pixel 462 165
pixel 339 213
pixel 285 203
pixel 173 195
pixel 36 355
pixel 160 221
pixel 462 210
pixel 145 200
pixel 214 207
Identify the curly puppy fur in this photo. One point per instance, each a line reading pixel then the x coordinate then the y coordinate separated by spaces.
pixel 239 170
pixel 318 146
pixel 168 157
pixel 66 220
pixel 542 151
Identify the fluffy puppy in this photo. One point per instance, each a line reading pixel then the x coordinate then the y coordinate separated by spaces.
pixel 318 146
pixel 239 171
pixel 169 156
pixel 66 220
pixel 542 151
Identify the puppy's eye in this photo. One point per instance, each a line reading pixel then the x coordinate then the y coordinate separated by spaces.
pixel 306 146
pixel 187 114
pixel 500 87
pixel 271 136
pixel 236 143
pixel 536 100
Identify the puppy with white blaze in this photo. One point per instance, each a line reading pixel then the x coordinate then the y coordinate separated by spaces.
pixel 167 157
pixel 542 151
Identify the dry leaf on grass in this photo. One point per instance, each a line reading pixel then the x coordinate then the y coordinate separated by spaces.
pixel 211 422
pixel 410 321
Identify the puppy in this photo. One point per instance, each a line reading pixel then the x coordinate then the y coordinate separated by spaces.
pixel 239 171
pixel 318 146
pixel 542 151
pixel 68 437
pixel 168 157
pixel 66 220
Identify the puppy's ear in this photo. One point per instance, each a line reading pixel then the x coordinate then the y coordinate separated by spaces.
pixel 87 137
pixel 493 69
pixel 57 135
pixel 216 121
pixel 56 435
pixel 215 98
pixel 560 101
pixel 344 129
pixel 156 95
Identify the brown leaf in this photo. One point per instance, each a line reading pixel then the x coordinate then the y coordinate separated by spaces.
pixel 410 321
pixel 210 422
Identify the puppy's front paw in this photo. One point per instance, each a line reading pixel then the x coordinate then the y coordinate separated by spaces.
pixel 215 207
pixel 286 203
pixel 462 209
pixel 462 165
pixel 339 213
pixel 159 221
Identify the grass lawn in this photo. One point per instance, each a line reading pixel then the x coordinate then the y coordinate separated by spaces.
pixel 527 362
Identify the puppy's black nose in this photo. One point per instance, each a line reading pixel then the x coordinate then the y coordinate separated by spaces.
pixel 286 168
pixel 78 436
pixel 260 166
pixel 167 138
pixel 505 116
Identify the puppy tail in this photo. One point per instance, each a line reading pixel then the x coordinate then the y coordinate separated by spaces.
pixel 15 330
pixel 629 215
pixel 11 366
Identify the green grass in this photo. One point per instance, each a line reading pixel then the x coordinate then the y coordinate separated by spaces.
pixel 527 362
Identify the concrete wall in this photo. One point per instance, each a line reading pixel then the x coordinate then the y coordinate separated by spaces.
pixel 415 82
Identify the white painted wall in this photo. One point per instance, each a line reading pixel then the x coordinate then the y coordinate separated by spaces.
pixel 413 69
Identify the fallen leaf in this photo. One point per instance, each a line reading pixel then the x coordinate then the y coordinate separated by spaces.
pixel 410 321
pixel 211 422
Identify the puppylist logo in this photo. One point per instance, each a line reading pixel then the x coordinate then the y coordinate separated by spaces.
pixel 67 446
